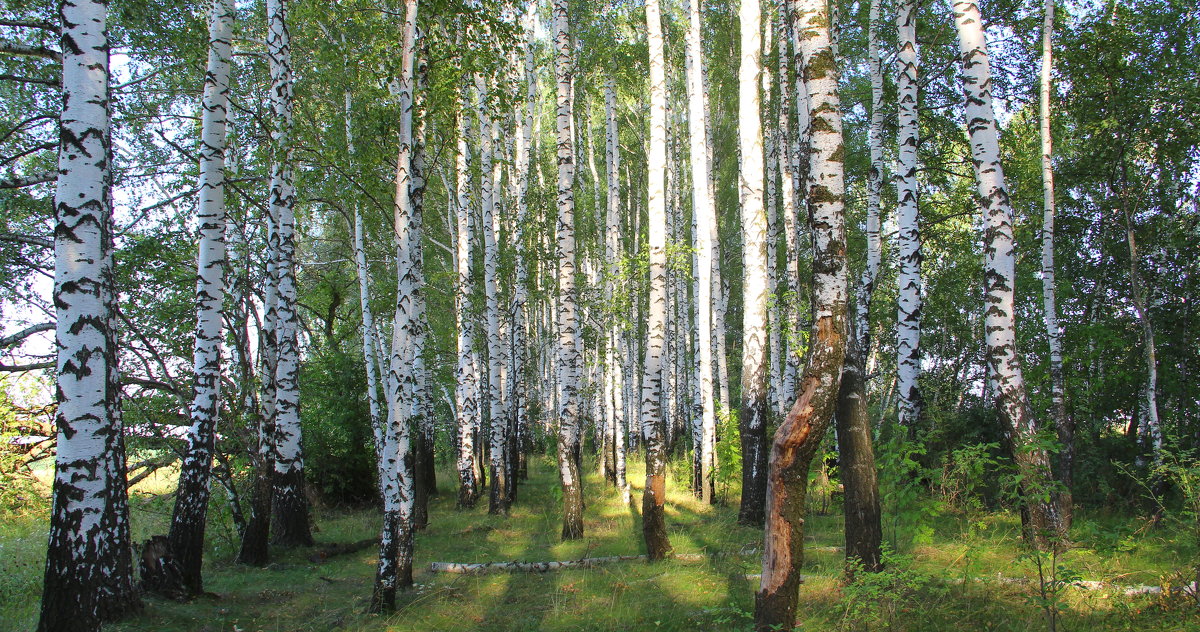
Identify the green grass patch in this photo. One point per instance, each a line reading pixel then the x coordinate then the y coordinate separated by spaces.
pixel 932 586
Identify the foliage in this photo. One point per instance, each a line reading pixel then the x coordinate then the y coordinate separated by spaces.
pixel 338 439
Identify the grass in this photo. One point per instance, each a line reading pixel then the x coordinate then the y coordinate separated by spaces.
pixel 923 590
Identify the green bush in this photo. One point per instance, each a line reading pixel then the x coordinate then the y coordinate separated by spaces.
pixel 339 456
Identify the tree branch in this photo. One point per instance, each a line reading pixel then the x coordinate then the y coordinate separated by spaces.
pixel 27 239
pixel 54 83
pixel 9 341
pixel 25 24
pixel 19 182
pixel 22 368
pixel 9 47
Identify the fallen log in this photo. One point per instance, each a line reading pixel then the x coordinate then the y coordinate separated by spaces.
pixel 587 562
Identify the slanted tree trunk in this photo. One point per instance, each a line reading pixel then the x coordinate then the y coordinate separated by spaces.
pixel 567 361
pixel 466 389
pixel 290 523
pixel 799 436
pixel 1063 424
pixel 654 528
pixel 908 234
pixel 752 416
pixel 89 566
pixel 1039 517
pixel 704 216
pixel 396 540
pixel 191 498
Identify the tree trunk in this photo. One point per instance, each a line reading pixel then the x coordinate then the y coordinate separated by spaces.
pixel 466 389
pixel 565 321
pixel 396 539
pixel 1063 423
pixel 752 417
pixel 864 531
pixel 191 498
pixel 654 528
pixel 1039 516
pixel 799 437
pixel 908 234
pixel 89 567
pixel 290 524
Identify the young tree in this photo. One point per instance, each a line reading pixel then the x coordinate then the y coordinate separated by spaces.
pixel 466 389
pixel 705 239
pixel 799 436
pixel 191 499
pixel 752 417
pixel 864 531
pixel 1058 391
pixel 654 528
pixel 396 540
pixel 566 322
pixel 616 374
pixel 908 234
pixel 290 524
pixel 1040 517
pixel 89 567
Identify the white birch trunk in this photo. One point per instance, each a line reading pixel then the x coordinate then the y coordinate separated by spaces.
pixel 1033 462
pixel 89 568
pixel 908 235
pixel 790 200
pixel 191 499
pixel 466 390
pixel 754 405
pixel 705 243
pixel 616 379
pixel 290 505
pixel 396 540
pixel 566 324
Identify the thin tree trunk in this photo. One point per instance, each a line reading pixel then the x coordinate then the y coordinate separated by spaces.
pixel 424 482
pixel 191 499
pixel 908 234
pixel 798 438
pixel 466 389
pixel 617 377
pixel 566 321
pixel 89 567
pixel 654 528
pixel 705 239
pixel 396 540
pixel 1148 428
pixel 289 504
pixel 1063 423
pixel 1040 518
pixel 864 531
pixel 752 417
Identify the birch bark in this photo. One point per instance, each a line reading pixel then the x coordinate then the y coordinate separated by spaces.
pixel 89 569
pixel 799 436
pixel 1040 518
pixel 908 235
pixel 566 321
pixel 191 499
pixel 466 389
pixel 752 417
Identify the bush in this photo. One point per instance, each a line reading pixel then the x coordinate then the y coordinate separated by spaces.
pixel 339 456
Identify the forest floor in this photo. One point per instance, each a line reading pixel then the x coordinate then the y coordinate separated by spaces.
pixel 963 572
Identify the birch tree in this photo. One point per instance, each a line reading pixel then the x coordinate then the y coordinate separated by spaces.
pixel 290 525
pixel 864 530
pixel 908 235
pixel 616 375
pixel 705 240
pixel 752 416
pixel 567 361
pixel 466 389
pixel 1063 424
pixel 89 567
pixel 799 436
pixel 191 498
pixel 396 540
pixel 654 528
pixel 1040 517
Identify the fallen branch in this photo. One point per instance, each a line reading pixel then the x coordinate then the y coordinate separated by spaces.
pixel 587 562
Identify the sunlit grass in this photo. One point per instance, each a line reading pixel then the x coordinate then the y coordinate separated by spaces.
pixel 934 589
